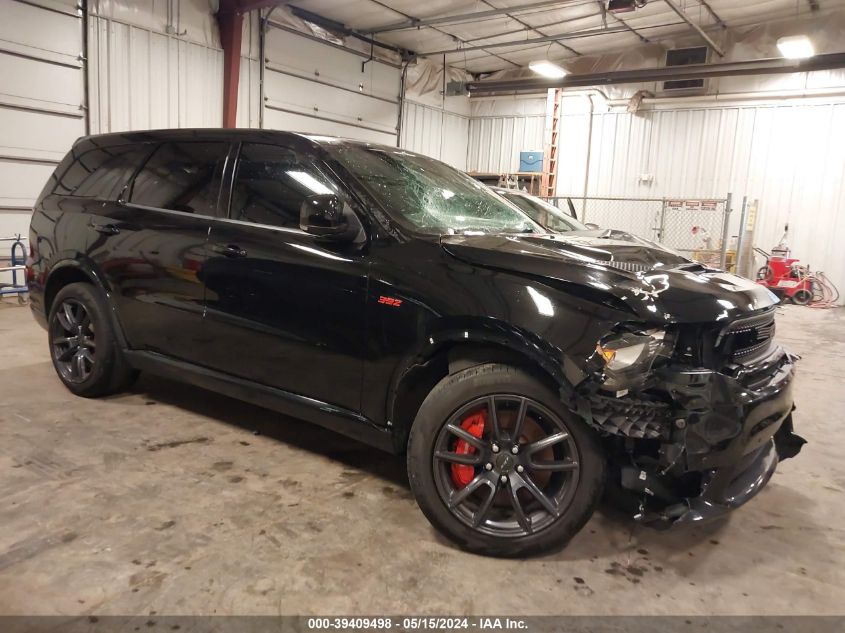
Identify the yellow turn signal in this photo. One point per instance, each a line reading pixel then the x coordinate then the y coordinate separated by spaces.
pixel 607 354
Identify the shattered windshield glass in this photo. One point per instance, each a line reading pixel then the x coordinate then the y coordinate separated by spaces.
pixel 428 196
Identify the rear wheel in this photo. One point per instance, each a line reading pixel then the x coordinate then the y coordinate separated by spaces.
pixel 500 466
pixel 83 345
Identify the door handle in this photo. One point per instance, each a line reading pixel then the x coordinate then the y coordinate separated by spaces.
pixel 229 250
pixel 108 229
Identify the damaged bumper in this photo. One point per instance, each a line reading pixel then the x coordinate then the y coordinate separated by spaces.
pixel 715 447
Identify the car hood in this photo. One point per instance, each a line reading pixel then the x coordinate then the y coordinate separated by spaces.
pixel 657 284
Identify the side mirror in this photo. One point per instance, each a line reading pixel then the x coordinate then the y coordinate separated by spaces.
pixel 592 226
pixel 322 215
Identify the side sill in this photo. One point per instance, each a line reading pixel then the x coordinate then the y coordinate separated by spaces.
pixel 338 419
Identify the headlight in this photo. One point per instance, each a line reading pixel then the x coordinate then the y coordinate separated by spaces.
pixel 628 356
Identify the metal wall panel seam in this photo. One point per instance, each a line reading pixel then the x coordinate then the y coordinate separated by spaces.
pixel 270 106
pixel 53 7
pixel 58 59
pixel 330 85
pixel 9 101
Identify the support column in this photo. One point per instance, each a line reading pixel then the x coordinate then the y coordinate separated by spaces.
pixel 230 20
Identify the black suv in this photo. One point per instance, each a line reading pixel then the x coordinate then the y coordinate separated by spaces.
pixel 394 299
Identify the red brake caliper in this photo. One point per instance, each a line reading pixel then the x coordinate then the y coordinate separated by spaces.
pixel 474 425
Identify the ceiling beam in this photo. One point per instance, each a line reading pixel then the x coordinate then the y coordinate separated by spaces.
pixel 413 23
pixel 713 14
pixel 522 30
pixel 439 30
pixel 605 13
pixel 695 27
pixel 574 35
pixel 777 65
pixel 533 29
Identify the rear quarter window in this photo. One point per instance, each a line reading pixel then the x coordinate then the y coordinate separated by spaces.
pixel 100 173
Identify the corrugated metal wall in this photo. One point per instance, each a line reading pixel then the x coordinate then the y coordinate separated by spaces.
pixel 435 132
pixel 789 154
pixel 502 128
pixel 41 101
pixel 143 79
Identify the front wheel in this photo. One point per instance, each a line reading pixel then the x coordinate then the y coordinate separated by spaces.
pixel 500 466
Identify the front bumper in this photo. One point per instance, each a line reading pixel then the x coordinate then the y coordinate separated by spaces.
pixel 720 441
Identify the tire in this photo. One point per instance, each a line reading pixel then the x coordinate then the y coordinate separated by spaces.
pixel 802 297
pixel 485 520
pixel 83 345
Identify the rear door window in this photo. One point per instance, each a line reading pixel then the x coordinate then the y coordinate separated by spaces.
pixel 182 177
pixel 101 173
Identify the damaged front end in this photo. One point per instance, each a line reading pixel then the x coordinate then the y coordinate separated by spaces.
pixel 696 416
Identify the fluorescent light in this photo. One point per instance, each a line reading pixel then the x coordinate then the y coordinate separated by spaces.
pixel 796 47
pixel 309 182
pixel 547 69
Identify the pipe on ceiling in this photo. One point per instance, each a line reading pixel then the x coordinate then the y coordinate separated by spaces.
pixel 828 61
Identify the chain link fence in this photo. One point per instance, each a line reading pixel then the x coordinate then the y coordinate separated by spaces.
pixel 695 227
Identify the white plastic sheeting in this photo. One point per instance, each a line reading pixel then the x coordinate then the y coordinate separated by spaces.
pixel 41 101
pixel 500 129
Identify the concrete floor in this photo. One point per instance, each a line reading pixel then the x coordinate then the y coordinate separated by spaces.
pixel 165 500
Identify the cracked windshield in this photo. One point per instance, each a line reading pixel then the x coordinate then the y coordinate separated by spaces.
pixel 427 196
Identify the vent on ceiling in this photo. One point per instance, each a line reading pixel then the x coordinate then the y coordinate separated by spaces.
pixel 685 57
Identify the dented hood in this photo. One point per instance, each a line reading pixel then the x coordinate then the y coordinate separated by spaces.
pixel 655 283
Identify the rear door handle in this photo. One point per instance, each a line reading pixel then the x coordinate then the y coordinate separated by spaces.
pixel 229 250
pixel 108 229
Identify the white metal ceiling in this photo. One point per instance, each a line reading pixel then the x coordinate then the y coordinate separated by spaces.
pixel 655 21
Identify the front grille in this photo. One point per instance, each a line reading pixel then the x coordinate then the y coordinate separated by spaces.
pixel 748 338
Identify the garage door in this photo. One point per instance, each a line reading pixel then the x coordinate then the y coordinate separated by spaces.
pixel 315 87
pixel 41 100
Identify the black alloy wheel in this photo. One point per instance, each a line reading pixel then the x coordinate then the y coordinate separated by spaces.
pixel 525 466
pixel 499 465
pixel 73 341
pixel 84 346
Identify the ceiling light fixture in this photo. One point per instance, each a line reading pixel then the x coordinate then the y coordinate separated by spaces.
pixel 796 47
pixel 547 69
pixel 622 6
